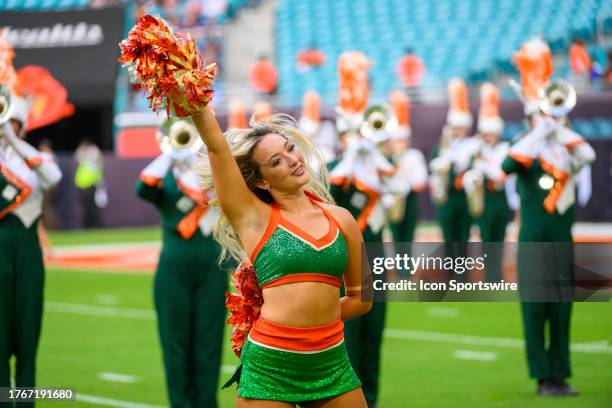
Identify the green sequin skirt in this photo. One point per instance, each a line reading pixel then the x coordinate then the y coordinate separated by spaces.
pixel 277 375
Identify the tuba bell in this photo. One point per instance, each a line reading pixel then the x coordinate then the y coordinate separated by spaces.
pixel 6 104
pixel 178 137
pixel 379 123
pixel 557 99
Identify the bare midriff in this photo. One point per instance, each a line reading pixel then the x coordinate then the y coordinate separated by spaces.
pixel 301 304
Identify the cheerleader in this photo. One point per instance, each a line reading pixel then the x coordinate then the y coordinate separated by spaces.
pixel 276 215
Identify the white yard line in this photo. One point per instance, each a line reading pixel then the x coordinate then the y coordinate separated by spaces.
pixel 599 346
pixel 108 402
pixel 595 347
pixel 105 311
pixel 475 355
pixel 116 377
pixel 107 300
pixel 440 311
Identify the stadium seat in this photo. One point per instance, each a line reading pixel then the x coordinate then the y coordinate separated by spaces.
pixel 470 49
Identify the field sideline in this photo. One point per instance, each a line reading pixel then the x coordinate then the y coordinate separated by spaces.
pixel 99 337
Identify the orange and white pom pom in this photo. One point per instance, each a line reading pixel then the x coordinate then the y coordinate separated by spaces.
pixel 168 66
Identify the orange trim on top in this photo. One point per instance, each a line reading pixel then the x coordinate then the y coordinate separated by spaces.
pixel 296 338
pixel 525 161
pixel 22 195
pixel 560 177
pixel 304 277
pixel 150 181
pixel 317 242
pixel 272 223
pixel 313 196
pixel 34 162
pixel 332 230
pixel 373 197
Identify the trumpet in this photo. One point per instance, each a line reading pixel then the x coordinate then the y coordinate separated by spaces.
pixel 379 123
pixel 178 137
pixel 6 104
pixel 473 182
pixel 557 99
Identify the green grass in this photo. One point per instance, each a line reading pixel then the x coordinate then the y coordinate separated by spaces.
pixel 75 347
pixel 415 373
pixel 104 236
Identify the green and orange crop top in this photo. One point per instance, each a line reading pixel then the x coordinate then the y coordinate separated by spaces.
pixel 287 254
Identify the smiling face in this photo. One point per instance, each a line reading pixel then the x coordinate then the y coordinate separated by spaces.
pixel 281 164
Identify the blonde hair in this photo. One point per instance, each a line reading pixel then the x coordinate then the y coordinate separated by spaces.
pixel 243 143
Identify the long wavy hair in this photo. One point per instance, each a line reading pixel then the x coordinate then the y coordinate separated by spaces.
pixel 243 143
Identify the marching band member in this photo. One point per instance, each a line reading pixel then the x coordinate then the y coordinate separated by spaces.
pixel 487 190
pixel 322 133
pixel 452 158
pixel 410 169
pixel 189 285
pixel 25 174
pixel 274 209
pixel 546 161
pixel 356 185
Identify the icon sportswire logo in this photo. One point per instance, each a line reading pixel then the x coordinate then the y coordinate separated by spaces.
pixel 59 35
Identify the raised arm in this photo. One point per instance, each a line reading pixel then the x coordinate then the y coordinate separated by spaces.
pixel 178 81
pixel 238 203
pixel 47 170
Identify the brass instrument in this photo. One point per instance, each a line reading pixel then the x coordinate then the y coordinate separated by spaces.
pixel 440 174
pixel 396 212
pixel 473 183
pixel 6 104
pixel 178 137
pixel 557 99
pixel 379 123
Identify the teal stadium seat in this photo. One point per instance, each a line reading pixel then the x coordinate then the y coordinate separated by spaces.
pixel 473 39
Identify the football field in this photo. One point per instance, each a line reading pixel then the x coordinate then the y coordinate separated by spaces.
pixel 99 337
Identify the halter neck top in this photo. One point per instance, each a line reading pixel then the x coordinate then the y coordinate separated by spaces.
pixel 287 254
